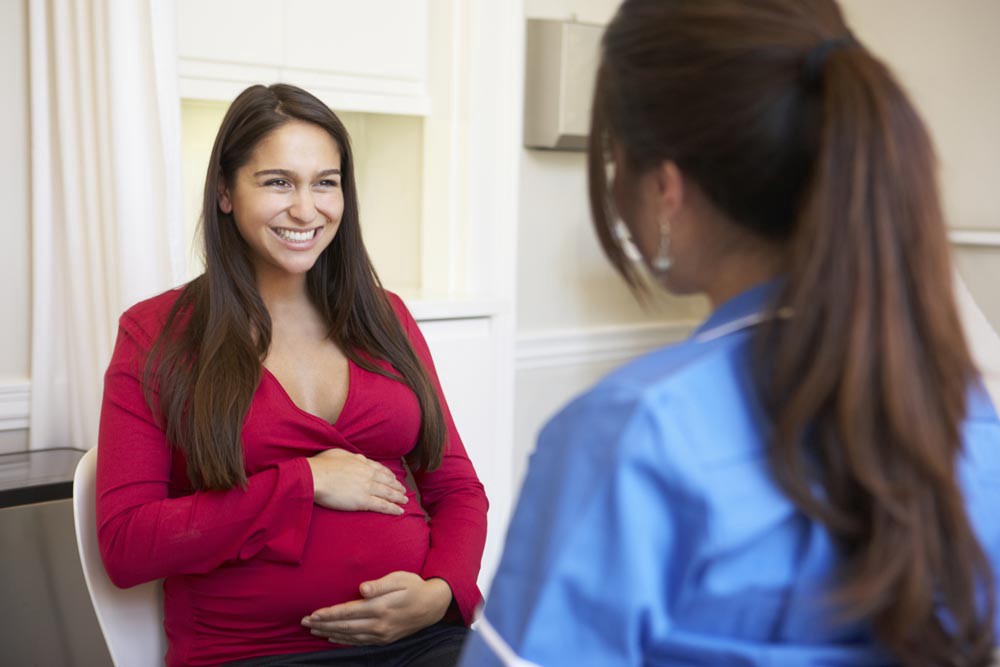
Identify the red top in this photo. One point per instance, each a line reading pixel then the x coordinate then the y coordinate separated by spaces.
pixel 242 568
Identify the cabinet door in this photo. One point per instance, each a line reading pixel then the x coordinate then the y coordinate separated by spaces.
pixel 465 355
pixel 356 56
pixel 246 32
pixel 376 38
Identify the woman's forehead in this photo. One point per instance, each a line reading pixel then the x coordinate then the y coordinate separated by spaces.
pixel 298 143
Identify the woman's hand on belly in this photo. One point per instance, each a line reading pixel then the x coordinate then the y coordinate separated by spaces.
pixel 395 606
pixel 350 482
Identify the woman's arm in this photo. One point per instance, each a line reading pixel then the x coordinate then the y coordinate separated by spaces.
pixel 143 533
pixel 453 497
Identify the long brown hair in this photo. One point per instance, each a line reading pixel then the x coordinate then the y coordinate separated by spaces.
pixel 204 368
pixel 800 135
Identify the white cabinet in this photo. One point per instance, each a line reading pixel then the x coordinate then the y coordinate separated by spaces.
pixel 465 354
pixel 356 56
pixel 381 38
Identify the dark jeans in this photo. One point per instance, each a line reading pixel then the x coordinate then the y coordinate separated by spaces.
pixel 439 645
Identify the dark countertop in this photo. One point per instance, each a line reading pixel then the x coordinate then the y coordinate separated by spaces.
pixel 37 476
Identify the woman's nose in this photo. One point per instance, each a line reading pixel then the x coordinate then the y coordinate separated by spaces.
pixel 303 208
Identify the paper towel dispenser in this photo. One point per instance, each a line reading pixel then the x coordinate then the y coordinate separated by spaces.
pixel 561 60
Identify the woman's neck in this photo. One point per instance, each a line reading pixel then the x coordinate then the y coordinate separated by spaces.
pixel 282 291
pixel 741 271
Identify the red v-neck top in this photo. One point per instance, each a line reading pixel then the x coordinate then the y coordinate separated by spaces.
pixel 241 568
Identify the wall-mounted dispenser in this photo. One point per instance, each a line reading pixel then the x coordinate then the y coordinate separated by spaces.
pixel 560 64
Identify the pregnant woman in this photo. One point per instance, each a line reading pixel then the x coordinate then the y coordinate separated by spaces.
pixel 259 424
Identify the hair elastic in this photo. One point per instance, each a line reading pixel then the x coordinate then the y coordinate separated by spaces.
pixel 815 60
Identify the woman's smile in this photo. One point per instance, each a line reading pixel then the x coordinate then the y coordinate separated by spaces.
pixel 298 239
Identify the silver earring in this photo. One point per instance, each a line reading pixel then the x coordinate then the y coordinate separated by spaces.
pixel 625 242
pixel 662 261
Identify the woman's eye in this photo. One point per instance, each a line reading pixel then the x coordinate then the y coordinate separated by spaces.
pixel 278 183
pixel 329 183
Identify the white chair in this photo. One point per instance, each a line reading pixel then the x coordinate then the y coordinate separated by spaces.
pixel 131 619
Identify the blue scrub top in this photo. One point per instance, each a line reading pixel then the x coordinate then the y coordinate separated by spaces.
pixel 649 530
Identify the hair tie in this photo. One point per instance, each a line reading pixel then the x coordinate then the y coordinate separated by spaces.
pixel 817 57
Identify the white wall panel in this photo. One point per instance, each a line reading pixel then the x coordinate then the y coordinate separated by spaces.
pixel 381 38
pixel 464 352
pixel 356 56
pixel 15 251
pixel 230 31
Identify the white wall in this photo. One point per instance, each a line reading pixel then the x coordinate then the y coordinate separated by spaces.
pixel 15 266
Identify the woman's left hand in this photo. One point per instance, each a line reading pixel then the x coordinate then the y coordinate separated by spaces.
pixel 397 605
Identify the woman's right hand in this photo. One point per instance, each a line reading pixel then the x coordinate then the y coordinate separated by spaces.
pixel 353 483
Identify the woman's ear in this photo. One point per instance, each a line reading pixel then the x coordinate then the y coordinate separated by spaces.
pixel 670 187
pixel 225 202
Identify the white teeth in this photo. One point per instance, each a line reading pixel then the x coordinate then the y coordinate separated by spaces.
pixel 289 235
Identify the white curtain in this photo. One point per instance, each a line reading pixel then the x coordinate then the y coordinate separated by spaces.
pixel 107 227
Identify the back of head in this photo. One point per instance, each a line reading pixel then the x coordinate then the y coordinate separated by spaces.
pixel 798 134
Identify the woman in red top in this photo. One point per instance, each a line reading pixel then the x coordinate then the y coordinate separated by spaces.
pixel 259 423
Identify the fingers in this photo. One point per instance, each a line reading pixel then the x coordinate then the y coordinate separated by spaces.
pixel 350 482
pixel 354 640
pixel 354 632
pixel 384 476
pixel 386 498
pixel 387 492
pixel 379 472
pixel 394 581
pixel 384 507
pixel 346 611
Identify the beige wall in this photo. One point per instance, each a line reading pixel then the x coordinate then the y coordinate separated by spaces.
pixel 947 55
pixel 944 51
pixel 15 265
pixel 564 281
pixel 566 290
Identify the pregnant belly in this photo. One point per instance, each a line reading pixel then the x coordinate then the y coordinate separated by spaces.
pixel 343 550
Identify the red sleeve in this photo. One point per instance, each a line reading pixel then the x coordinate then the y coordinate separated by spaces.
pixel 453 497
pixel 144 534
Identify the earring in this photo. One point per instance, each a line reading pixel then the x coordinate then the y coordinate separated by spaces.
pixel 662 262
pixel 625 242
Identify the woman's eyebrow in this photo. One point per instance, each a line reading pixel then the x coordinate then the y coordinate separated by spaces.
pixel 275 172
pixel 290 174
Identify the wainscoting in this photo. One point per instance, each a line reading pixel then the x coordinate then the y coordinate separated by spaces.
pixel 551 367
pixel 15 401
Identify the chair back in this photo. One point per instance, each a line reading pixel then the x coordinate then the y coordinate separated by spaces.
pixel 131 619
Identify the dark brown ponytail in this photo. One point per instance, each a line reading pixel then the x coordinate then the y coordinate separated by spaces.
pixel 798 134
pixel 875 369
